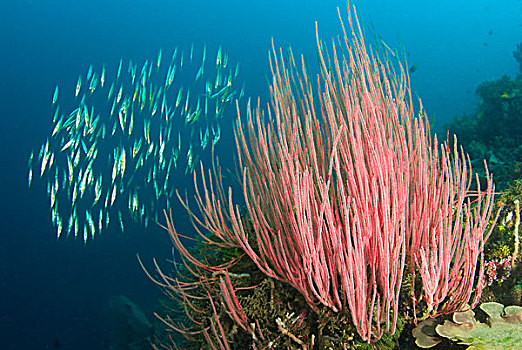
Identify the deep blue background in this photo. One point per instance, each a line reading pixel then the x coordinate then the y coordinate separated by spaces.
pixel 53 289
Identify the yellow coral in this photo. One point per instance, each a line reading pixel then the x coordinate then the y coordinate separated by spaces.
pixel 500 252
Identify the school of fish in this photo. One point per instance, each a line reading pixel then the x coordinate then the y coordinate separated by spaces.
pixel 117 143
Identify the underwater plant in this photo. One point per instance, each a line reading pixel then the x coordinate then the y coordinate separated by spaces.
pixel 503 329
pixel 344 189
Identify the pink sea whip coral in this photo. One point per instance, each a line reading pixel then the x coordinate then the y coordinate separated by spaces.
pixel 344 188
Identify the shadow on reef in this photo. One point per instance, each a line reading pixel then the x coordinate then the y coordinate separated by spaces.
pixel 494 132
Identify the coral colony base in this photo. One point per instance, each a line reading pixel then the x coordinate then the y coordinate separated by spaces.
pixel 354 220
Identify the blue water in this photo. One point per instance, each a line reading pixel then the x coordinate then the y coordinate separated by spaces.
pixel 52 293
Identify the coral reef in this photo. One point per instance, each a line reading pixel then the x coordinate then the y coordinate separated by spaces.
pixel 283 320
pixel 338 219
pixel 503 265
